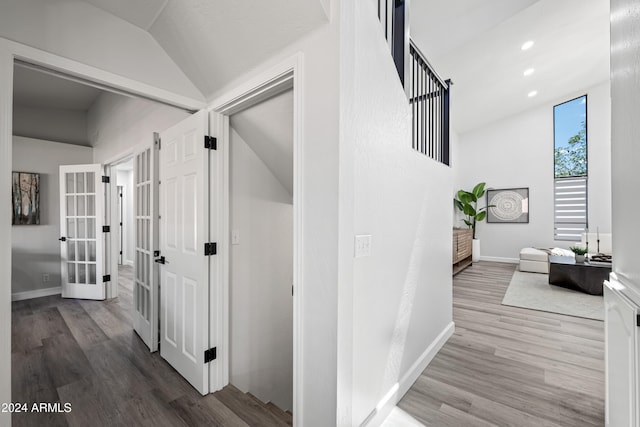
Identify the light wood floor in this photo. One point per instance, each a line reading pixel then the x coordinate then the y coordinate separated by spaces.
pixel 509 366
pixel 86 353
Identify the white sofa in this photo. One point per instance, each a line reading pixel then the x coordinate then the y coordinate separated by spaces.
pixel 537 261
pixel 534 260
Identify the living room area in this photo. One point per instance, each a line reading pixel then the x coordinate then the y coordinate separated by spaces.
pixel 531 154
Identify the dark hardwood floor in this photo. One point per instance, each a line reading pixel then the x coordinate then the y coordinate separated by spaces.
pixel 85 353
pixel 507 366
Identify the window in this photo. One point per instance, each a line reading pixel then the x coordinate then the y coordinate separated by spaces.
pixel 570 169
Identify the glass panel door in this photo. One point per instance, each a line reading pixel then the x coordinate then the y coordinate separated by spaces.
pixel 80 225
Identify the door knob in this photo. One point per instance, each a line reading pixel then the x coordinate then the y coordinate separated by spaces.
pixel 63 239
pixel 160 260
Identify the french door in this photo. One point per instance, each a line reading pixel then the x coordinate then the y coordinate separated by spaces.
pixel 81 216
pixel 145 283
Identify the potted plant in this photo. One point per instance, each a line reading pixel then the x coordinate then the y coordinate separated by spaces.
pixel 467 203
pixel 579 252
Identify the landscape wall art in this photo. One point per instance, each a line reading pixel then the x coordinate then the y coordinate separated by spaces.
pixel 25 198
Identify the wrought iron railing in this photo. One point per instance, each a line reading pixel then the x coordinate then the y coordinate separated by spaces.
pixel 428 93
pixel 429 99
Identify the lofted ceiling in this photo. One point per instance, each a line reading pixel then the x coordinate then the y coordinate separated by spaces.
pixel 477 43
pixel 447 25
pixel 36 89
pixel 267 128
pixel 214 42
pixel 141 13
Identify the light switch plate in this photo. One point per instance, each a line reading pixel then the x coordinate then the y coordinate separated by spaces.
pixel 235 237
pixel 362 246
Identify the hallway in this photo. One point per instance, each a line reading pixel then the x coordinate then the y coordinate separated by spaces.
pixel 86 353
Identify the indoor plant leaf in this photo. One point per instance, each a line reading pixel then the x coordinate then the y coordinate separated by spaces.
pixel 478 190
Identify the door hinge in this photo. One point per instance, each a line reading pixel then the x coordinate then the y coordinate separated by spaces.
pixel 638 320
pixel 120 252
pixel 156 140
pixel 210 355
pixel 210 142
pixel 210 249
pixel 106 278
pixel 106 179
pixel 106 229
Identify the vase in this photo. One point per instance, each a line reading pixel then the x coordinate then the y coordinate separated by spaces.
pixel 579 258
pixel 475 250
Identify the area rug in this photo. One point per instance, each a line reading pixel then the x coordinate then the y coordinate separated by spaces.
pixel 533 291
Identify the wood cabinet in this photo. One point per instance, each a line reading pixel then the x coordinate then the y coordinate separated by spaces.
pixel 462 239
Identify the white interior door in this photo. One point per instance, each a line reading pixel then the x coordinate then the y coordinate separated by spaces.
pixel 145 282
pixel 184 229
pixel 81 214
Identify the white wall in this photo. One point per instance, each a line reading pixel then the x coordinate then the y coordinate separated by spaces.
pixel 125 179
pixel 35 248
pixel 118 124
pixel 396 305
pixel 67 126
pixel 80 31
pixel 318 104
pixel 625 150
pixel 518 152
pixel 261 275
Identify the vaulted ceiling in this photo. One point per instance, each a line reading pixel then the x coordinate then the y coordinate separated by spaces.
pixel 478 45
pixel 214 43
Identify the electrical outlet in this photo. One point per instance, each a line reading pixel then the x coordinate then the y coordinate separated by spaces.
pixel 45 277
pixel 235 237
pixel 362 246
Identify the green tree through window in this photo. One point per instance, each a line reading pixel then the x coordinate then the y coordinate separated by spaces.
pixel 571 159
pixel 570 212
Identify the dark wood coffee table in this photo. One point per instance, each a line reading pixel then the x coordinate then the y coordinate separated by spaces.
pixel 582 276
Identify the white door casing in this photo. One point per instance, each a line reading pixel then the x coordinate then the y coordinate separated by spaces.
pixel 81 216
pixel 184 230
pixel 621 352
pixel 145 276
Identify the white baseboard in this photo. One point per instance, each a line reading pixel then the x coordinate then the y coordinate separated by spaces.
pixel 18 296
pixel 499 259
pixel 395 393
pixel 128 262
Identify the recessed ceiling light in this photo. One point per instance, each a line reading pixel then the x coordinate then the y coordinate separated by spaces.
pixel 528 71
pixel 532 93
pixel 527 45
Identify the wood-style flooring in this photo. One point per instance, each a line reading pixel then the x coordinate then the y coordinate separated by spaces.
pixel 508 366
pixel 85 353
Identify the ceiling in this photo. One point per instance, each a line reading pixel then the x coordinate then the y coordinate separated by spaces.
pixel 268 129
pixel 37 89
pixel 141 13
pixel 477 44
pixel 214 43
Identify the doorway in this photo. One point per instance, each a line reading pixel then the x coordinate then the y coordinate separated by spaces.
pixel 261 251
pixel 122 221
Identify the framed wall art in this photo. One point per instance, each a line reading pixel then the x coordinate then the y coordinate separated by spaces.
pixel 25 198
pixel 509 205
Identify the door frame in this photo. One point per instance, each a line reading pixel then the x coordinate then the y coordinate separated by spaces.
pixel 9 52
pixel 111 210
pixel 284 76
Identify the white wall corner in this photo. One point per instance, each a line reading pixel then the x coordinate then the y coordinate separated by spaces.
pixel 398 390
